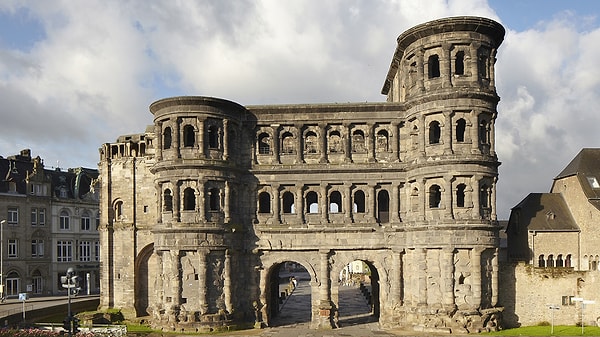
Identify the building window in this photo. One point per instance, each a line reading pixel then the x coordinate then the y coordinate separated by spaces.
pixel 382 141
pixel 311 142
pixel 460 195
pixel 167 138
pixel 189 199
pixel 97 220
pixel 41 216
pixel 167 201
pixel 541 261
pixel 433 66
pixel 459 63
pixel 312 202
pixel 559 261
pixel 189 136
pixel 64 223
pixel 435 196
pixel 215 199
pixel 13 248
pixel 13 216
pixel 484 132
pixel 550 261
pixel 264 143
pixel 34 216
pixel 359 202
pixel 96 250
pixel 118 210
pixel 593 182
pixel 461 127
pixel 358 141
pixel 383 206
pixel 64 251
pixel 264 202
pixel 213 137
pixel 288 202
pixel 435 132
pixel 335 202
pixel 335 142
pixel 37 248
pixel 85 251
pixel 288 143
pixel 86 221
pixel 568 261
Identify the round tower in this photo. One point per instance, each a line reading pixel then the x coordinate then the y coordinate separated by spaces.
pixel 198 174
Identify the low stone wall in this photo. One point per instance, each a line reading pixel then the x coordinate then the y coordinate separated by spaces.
pixel 527 292
pixel 38 315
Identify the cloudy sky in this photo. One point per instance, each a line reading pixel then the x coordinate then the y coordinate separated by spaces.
pixel 76 74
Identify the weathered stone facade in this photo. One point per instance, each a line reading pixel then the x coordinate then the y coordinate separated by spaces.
pixel 200 211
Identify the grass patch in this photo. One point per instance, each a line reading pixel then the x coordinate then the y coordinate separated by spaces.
pixel 559 330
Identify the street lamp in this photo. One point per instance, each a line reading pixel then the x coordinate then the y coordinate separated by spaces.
pixel 583 303
pixel 2 260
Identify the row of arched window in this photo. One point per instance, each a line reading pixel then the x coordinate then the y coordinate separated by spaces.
pixel 189 137
pixel 189 199
pixel 551 260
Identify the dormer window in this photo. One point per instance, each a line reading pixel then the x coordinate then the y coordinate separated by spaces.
pixel 593 182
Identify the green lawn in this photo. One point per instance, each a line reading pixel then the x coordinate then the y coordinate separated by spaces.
pixel 559 330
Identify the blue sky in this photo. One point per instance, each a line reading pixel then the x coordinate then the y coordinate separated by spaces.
pixel 77 74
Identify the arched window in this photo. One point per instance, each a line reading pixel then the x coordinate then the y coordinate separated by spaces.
pixel 264 143
pixel 264 202
pixel 213 137
pixel 358 141
pixel 167 201
pixel 484 132
pixel 435 196
pixel 64 221
pixel 86 221
pixel 214 199
pixel 167 138
pixel 189 199
pixel 335 202
pixel 568 261
pixel 485 196
pixel 433 66
pixel 189 136
pixel 288 202
pixel 550 261
pixel 312 201
pixel 559 261
pixel 541 261
pixel 382 141
pixel 383 206
pixel 335 142
pixel 460 195
pixel 435 132
pixel 311 142
pixel 287 143
pixel 459 63
pixel 359 202
pixel 461 127
pixel 118 210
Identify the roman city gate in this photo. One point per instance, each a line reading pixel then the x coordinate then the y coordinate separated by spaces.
pixel 201 209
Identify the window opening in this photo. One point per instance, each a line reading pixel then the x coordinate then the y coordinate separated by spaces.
pixel 461 127
pixel 311 142
pixel 288 144
pixel 335 202
pixel 312 200
pixel 288 202
pixel 434 132
pixel 215 199
pixel 383 206
pixel 189 136
pixel 382 141
pixel 167 201
pixel 433 65
pixel 460 195
pixel 213 137
pixel 189 199
pixel 264 202
pixel 435 196
pixel 167 138
pixel 358 141
pixel 459 63
pixel 264 143
pixel 359 201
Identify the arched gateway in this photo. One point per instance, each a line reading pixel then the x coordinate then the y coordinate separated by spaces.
pixel 215 196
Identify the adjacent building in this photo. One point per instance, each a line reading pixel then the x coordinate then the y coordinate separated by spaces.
pixel 51 219
pixel 554 246
pixel 201 211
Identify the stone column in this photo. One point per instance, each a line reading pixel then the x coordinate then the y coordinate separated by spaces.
pixel 203 270
pixel 446 65
pixel 276 203
pixel 475 195
pixel 227 290
pixel 347 143
pixel 447 272
pixel 159 140
pixel 495 278
pixel 370 137
pixel 300 202
pixel 476 276
pixel 176 202
pixel 492 73
pixel 424 201
pixel 422 135
pixel 324 203
pixel 226 203
pixel 448 197
pixel 325 306
pixel 201 202
pixel 395 204
pixel 474 61
pixel 225 140
pixel 373 203
pixel 395 141
pixel 348 209
pixel 475 134
pixel 420 69
pixel 264 279
pixel 176 277
pixel 448 132
pixel 202 153
pixel 396 278
pixel 276 144
pixel 493 135
pixel 493 215
pixel 299 149
pixel 323 143
pixel 421 263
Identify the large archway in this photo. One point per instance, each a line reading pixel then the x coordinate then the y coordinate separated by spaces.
pixel 358 293
pixel 144 280
pixel 289 294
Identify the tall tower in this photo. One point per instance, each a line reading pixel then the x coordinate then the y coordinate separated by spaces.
pixel 443 72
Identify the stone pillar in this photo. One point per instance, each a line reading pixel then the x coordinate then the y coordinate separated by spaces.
pixel 323 143
pixel 446 65
pixel 347 143
pixel 371 138
pixel 493 215
pixel 420 69
pixel 159 291
pixel 495 278
pixel 176 277
pixel 395 141
pixel 264 279
pixel 493 135
pixel 299 150
pixel 395 204
pixel 424 201
pixel 421 263
pixel 448 197
pixel 226 203
pixel 276 143
pixel 348 211
pixel 448 132
pixel 176 202
pixel 276 203
pixel 373 203
pixel 225 140
pixel 476 276
pixel 475 134
pixel 396 278
pixel 177 137
pixel 474 61
pixel 326 309
pixel 324 203
pixel 492 73
pixel 447 272
pixel 159 140
pixel 422 135
pixel 300 202
pixel 227 289
pixel 203 270
pixel 475 195
pixel 201 202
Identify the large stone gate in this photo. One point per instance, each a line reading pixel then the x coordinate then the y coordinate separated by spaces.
pixel 201 209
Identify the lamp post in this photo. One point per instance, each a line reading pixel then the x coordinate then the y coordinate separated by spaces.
pixel 2 260
pixel 583 303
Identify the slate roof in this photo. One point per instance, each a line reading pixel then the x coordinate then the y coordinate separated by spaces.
pixel 586 166
pixel 544 212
